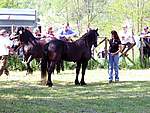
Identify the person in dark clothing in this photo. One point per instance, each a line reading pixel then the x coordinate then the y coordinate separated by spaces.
pixel 114 49
pixel 146 42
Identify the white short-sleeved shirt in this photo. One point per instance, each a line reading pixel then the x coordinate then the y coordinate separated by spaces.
pixel 127 37
pixel 4 43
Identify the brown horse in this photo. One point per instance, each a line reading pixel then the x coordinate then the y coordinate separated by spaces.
pixel 32 47
pixel 78 51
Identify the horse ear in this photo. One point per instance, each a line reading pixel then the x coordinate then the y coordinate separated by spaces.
pixel 97 29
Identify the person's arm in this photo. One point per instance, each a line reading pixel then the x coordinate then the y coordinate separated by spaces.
pixel 119 50
pixel 145 35
pixel 61 34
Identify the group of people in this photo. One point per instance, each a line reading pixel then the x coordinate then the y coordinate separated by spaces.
pixel 118 44
pixel 65 34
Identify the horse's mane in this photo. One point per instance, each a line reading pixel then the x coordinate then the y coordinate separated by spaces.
pixel 84 36
pixel 88 34
pixel 29 34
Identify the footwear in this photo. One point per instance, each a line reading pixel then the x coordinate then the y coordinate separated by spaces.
pixel 110 81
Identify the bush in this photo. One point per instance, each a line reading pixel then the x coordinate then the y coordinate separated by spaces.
pixel 14 63
pixel 69 65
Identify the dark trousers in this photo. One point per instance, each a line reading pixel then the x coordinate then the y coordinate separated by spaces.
pixel 3 65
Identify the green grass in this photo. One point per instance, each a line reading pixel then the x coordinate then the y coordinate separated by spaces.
pixel 30 97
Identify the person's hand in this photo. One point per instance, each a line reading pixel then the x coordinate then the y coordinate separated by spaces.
pixel 62 36
pixel 11 51
pixel 112 54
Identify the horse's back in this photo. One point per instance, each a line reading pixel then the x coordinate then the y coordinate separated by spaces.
pixel 68 51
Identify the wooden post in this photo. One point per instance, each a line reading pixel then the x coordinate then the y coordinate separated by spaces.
pixel 132 54
pixel 141 52
pixel 12 29
pixel 105 48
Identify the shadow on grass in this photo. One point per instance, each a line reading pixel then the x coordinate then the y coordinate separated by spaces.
pixel 123 97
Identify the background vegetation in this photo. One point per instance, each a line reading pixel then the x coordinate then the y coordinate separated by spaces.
pixel 104 14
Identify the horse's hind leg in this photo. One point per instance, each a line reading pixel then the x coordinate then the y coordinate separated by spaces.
pixel 77 73
pixel 29 69
pixel 84 65
pixel 43 71
pixel 51 67
pixel 58 68
pixel 60 65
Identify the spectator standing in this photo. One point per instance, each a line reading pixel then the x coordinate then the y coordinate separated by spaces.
pixel 4 52
pixel 114 49
pixel 146 42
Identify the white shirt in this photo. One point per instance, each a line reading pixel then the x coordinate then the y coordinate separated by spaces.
pixel 4 43
pixel 126 37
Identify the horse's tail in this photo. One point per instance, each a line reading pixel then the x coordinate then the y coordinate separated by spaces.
pixel 44 64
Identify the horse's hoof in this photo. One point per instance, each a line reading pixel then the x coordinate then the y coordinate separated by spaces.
pixel 83 83
pixel 49 84
pixel 77 82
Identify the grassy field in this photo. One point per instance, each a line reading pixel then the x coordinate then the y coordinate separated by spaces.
pixel 24 94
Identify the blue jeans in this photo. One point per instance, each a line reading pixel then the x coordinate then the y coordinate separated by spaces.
pixel 113 64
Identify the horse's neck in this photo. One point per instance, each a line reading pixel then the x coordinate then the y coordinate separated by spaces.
pixel 85 38
pixel 29 35
pixel 83 43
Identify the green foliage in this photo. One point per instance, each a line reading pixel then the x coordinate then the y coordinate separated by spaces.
pixel 104 14
pixel 8 4
pixel 69 65
pixel 93 64
pixel 35 65
pixel 14 63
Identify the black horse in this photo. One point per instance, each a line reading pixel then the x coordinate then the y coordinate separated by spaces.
pixel 78 51
pixel 32 47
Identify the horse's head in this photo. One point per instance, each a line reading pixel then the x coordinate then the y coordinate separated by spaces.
pixel 19 32
pixel 24 35
pixel 93 35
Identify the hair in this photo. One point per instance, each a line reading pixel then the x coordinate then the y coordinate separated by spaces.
pixel 113 32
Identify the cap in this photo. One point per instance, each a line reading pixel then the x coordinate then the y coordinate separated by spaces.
pixel 146 27
pixel 2 31
pixel 124 25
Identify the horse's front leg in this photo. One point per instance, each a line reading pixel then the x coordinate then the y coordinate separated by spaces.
pixel 51 67
pixel 77 73
pixel 29 69
pixel 84 65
